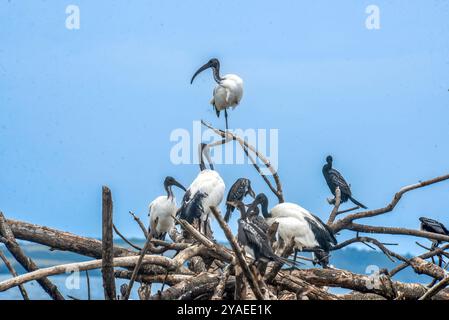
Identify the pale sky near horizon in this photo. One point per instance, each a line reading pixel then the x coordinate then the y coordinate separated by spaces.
pixel 90 107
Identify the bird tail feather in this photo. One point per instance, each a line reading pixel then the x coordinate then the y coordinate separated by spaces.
pixel 228 213
pixel 358 203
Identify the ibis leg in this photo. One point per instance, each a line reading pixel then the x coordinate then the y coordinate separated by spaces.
pixel 226 119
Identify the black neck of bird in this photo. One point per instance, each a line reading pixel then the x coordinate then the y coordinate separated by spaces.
pixel 201 158
pixel 264 205
pixel 169 191
pixel 242 210
pixel 216 73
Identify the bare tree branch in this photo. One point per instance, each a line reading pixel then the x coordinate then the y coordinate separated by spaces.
pixel 25 261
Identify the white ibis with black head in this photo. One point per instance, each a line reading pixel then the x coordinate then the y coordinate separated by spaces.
pixel 205 191
pixel 162 209
pixel 334 179
pixel 229 89
pixel 295 222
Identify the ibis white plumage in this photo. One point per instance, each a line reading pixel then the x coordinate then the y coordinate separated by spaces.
pixel 229 89
pixel 205 191
pixel 163 209
pixel 296 222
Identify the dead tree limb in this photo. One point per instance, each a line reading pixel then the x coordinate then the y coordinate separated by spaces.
pixel 13 272
pixel 341 224
pixel 229 136
pixel 239 254
pixel 26 262
pixel 88 285
pixel 125 239
pixel 398 231
pixel 136 269
pixel 381 285
pixel 140 223
pixel 162 261
pixel 107 269
pixel 337 203
pixel 219 290
pixel 426 255
pixel 170 279
pixel 435 289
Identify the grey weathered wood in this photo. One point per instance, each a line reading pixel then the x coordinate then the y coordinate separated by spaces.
pixel 13 272
pixel 26 262
pixel 107 269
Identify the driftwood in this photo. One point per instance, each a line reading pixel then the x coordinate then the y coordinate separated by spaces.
pixel 26 262
pixel 13 272
pixel 107 269
pixel 220 272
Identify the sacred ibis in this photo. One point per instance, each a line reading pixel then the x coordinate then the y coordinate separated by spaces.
pixel 334 179
pixel 205 191
pixel 255 239
pixel 229 89
pixel 295 222
pixel 162 209
pixel 434 226
pixel 239 190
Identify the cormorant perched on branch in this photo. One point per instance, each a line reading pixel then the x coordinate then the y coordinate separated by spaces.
pixel 433 226
pixel 334 179
pixel 239 190
pixel 254 239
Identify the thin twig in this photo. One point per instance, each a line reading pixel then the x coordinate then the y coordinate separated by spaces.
pixel 229 136
pixel 136 269
pixel 124 238
pixel 88 285
pixel 13 272
pixel 238 252
pixel 341 224
pixel 140 223
pixel 26 262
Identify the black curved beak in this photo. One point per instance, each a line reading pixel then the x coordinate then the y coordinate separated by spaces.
pixel 176 183
pixel 204 67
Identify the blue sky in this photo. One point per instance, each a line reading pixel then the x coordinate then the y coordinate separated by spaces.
pixel 83 108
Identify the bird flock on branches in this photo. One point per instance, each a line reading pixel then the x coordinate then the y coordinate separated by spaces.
pixel 290 221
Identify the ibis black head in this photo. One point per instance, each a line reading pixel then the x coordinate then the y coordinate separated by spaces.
pixel 170 181
pixel 261 199
pixel 212 63
pixel 329 159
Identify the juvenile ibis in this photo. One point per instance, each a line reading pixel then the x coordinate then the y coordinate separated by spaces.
pixel 227 93
pixel 162 209
pixel 239 190
pixel 334 179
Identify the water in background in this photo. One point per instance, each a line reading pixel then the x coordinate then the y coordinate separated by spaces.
pixel 35 291
pixel 352 259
